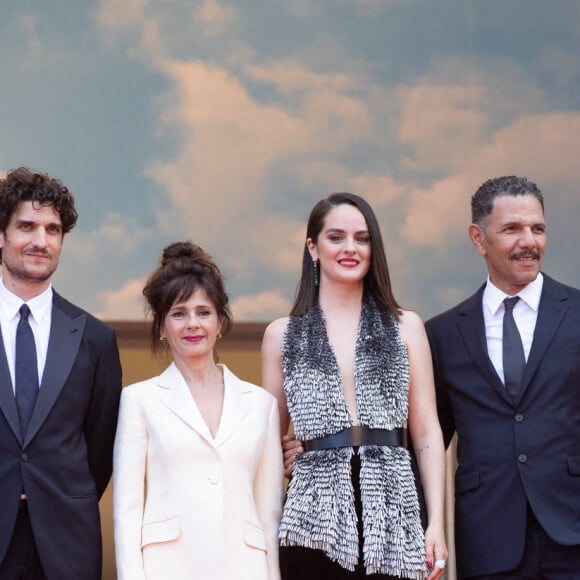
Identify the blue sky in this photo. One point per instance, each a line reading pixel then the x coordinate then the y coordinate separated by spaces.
pixel 224 122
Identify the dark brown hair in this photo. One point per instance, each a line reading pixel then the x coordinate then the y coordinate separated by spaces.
pixel 24 184
pixel 184 268
pixel 377 282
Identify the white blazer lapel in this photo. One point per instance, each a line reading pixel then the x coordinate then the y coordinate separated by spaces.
pixel 176 396
pixel 236 405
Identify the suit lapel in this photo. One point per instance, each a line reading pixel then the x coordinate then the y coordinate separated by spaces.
pixel 472 328
pixel 551 312
pixel 66 333
pixel 7 400
pixel 175 396
pixel 235 408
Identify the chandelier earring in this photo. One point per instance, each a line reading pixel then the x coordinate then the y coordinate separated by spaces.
pixel 316 272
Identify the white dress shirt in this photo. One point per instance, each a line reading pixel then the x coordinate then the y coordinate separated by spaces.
pixel 39 319
pixel 525 316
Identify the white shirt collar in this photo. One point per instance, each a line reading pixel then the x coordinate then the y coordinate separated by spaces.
pixel 39 305
pixel 493 297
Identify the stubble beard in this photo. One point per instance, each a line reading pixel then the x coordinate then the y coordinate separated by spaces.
pixel 24 274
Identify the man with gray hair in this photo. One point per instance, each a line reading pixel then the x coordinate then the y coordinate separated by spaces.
pixel 507 372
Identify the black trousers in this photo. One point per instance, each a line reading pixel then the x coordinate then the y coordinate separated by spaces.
pixel 543 558
pixel 22 561
pixel 297 563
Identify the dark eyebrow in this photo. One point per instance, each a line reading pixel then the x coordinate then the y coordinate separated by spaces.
pixel 339 231
pixel 22 222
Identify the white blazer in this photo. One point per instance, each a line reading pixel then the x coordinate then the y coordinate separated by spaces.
pixel 186 505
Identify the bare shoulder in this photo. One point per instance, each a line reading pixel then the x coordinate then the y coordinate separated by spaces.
pixel 274 332
pixel 410 319
pixel 411 325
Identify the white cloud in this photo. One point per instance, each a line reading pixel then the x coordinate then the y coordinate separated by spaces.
pixel 455 109
pixel 103 258
pixel 126 303
pixel 212 18
pixel 230 143
pixel 241 120
pixel 542 147
pixel 292 76
pixel 264 306
pixel 443 123
pixel 378 190
pixel 119 234
pixel 118 16
pixel 439 212
pixel 273 242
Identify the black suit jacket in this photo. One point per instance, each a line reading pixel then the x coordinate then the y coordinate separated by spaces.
pixel 511 454
pixel 65 461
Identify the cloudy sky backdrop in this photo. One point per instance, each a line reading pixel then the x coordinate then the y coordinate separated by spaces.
pixel 224 122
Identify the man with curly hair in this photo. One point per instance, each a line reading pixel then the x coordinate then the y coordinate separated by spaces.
pixel 60 383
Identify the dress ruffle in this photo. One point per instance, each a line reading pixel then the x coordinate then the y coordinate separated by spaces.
pixel 319 511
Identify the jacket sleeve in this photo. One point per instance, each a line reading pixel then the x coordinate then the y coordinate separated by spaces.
pixel 130 457
pixel 269 489
pixel 101 418
pixel 444 410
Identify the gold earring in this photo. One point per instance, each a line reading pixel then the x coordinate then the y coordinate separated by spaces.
pixel 219 335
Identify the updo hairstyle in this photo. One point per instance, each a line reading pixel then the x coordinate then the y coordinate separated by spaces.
pixel 184 268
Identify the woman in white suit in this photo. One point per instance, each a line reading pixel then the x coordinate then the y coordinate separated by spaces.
pixel 198 485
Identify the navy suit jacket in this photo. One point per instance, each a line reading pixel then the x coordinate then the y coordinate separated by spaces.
pixel 65 461
pixel 511 453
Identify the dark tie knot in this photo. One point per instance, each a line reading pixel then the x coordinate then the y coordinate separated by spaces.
pixel 24 312
pixel 509 303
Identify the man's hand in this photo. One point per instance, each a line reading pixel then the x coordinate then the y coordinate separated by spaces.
pixel 291 448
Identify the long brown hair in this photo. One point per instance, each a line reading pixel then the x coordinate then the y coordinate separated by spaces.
pixel 377 282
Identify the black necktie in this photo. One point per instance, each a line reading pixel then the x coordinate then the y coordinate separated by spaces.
pixel 25 370
pixel 514 359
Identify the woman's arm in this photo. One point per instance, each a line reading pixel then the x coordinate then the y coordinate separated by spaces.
pixel 426 435
pixel 272 377
pixel 269 490
pixel 129 460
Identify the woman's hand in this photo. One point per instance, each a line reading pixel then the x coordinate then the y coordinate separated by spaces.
pixel 291 447
pixel 436 551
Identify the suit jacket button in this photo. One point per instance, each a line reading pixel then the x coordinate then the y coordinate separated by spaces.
pixel 519 418
pixel 522 458
pixel 24 457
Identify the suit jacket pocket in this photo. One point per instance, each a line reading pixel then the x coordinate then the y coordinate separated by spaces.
pixel 254 536
pixel 574 464
pixel 164 530
pixel 466 481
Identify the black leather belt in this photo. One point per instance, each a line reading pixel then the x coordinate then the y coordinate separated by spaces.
pixel 357 436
